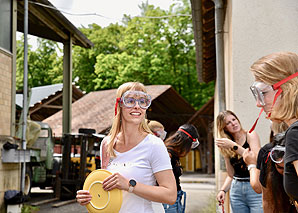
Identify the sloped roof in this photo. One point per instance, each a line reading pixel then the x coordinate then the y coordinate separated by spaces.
pixel 39 93
pixel 47 100
pixel 96 110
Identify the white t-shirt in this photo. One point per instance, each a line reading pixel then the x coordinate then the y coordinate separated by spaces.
pixel 140 163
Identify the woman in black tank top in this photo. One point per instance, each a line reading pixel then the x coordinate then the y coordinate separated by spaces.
pixel 232 142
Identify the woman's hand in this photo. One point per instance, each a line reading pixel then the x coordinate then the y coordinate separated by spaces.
pixel 115 181
pixel 224 143
pixel 249 157
pixel 221 196
pixel 83 197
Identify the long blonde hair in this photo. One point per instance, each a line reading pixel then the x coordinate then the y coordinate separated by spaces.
pixel 222 133
pixel 273 68
pixel 116 126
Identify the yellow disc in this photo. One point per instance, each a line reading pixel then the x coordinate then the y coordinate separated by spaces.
pixel 102 201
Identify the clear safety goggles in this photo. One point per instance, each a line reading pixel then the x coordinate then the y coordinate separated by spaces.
pixel 195 141
pixel 277 154
pixel 161 134
pixel 130 98
pixel 258 90
pixel 259 95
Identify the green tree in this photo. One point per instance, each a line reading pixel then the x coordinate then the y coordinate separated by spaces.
pixel 45 67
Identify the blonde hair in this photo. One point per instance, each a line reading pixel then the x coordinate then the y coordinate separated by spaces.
pixel 154 125
pixel 273 68
pixel 116 126
pixel 222 133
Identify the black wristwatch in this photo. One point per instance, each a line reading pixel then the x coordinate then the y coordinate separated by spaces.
pixel 235 147
pixel 132 183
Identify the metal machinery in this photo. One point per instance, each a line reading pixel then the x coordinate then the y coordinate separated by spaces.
pixel 80 151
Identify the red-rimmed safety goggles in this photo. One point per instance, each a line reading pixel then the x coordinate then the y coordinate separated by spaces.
pixel 277 87
pixel 195 141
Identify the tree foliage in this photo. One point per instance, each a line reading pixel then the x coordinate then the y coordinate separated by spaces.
pixel 150 50
pixel 44 64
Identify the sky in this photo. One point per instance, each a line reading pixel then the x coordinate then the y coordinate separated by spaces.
pixel 111 10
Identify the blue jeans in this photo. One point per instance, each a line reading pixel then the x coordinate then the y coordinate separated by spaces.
pixel 177 207
pixel 244 199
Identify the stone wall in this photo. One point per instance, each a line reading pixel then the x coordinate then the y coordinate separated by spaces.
pixel 5 92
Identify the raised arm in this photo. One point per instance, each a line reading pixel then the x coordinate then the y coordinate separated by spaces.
pixel 250 159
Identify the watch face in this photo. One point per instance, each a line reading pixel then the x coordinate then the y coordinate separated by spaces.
pixel 132 182
pixel 235 147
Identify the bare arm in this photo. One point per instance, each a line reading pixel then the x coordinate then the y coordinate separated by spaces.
pixel 254 180
pixel 249 157
pixel 254 142
pixel 224 188
pixel 228 144
pixel 166 192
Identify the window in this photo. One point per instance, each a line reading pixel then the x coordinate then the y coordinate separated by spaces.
pixel 5 24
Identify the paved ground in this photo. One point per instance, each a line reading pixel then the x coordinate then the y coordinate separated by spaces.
pixel 199 188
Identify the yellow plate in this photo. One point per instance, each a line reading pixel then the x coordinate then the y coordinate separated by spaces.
pixel 102 201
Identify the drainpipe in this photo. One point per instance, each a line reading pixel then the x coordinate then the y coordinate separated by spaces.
pixel 220 82
pixel 220 74
pixel 25 93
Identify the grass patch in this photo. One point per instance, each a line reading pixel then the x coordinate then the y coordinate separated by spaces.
pixel 30 209
pixel 211 207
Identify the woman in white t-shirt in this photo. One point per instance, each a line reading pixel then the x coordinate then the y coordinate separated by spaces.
pixel 137 158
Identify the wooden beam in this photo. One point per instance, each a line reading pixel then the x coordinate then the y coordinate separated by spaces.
pixel 52 106
pixel 47 102
pixel 49 22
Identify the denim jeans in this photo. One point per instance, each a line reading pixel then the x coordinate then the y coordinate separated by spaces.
pixel 244 199
pixel 177 207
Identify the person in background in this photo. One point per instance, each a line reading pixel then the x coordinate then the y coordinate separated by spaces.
pixel 232 141
pixel 136 158
pixel 179 145
pixel 157 128
pixel 269 178
pixel 276 92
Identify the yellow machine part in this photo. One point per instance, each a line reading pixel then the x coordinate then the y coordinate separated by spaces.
pixel 90 163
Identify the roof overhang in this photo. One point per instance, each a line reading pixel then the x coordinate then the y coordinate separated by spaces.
pixel 47 22
pixel 204 35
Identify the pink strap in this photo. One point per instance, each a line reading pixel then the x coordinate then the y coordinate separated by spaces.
pixel 278 84
pixel 116 104
pixel 254 126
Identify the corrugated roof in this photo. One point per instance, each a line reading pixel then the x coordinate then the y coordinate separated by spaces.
pixel 46 100
pixel 39 93
pixel 96 110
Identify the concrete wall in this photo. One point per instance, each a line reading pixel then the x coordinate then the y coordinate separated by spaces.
pixel 252 29
pixel 257 28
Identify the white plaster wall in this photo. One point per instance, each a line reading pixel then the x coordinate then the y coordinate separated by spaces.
pixel 255 28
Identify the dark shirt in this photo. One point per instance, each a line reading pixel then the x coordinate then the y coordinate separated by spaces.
pixel 262 160
pixel 177 170
pixel 291 154
pixel 240 168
